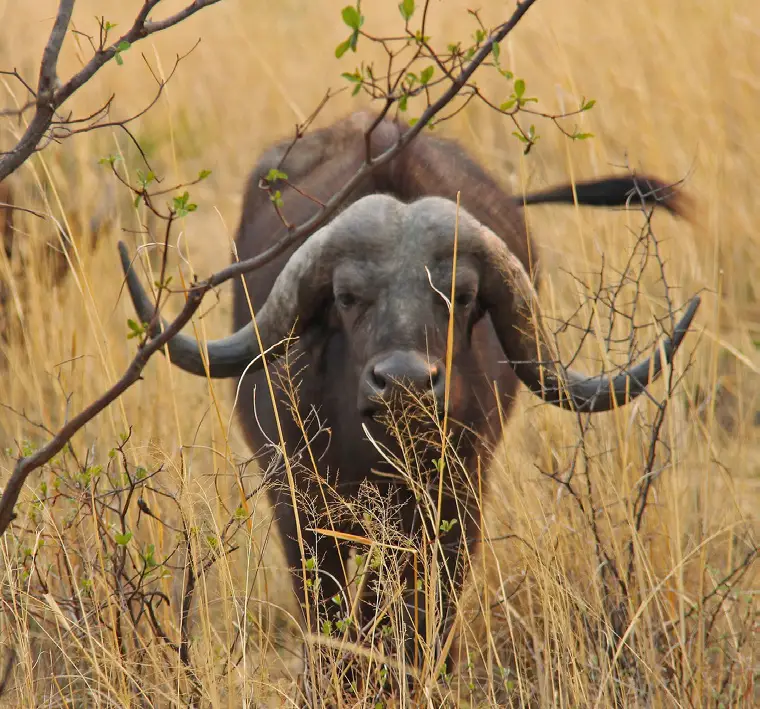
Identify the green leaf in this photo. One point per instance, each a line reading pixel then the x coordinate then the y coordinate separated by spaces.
pixel 352 17
pixel 123 46
pixel 212 541
pixel 145 180
pixel 507 104
pixel 426 75
pixel 448 525
pixel 123 539
pixel 203 174
pixel 342 48
pixel 136 329
pixel 519 88
pixel 274 174
pixel 149 556
pixel 581 136
pixel 355 77
pixel 406 8
pixel 342 625
pixel 496 51
pixel 182 205
pixel 586 105
pixel 402 102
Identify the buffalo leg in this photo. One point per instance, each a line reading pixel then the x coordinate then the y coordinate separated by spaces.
pixel 325 561
pixel 454 543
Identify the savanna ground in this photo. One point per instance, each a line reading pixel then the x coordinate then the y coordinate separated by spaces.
pixel 677 90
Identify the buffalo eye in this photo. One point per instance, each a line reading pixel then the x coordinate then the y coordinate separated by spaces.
pixel 464 299
pixel 346 300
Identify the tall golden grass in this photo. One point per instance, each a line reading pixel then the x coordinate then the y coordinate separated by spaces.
pixel 677 93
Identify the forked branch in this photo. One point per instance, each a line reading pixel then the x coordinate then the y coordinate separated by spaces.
pixel 52 94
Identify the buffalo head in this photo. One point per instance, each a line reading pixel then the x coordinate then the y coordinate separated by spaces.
pixel 382 272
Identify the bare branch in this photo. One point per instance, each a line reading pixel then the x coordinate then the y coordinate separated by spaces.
pixel 50 96
pixel 159 25
pixel 49 65
pixel 6 112
pixel 5 205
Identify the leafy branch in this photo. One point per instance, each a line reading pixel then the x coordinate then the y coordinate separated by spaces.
pixel 401 81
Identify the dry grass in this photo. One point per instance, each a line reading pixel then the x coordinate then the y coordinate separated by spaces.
pixel 677 92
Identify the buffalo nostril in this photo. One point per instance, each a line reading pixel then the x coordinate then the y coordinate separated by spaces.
pixel 437 380
pixel 379 380
pixel 403 370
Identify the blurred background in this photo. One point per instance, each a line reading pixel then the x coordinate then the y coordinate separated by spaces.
pixel 677 91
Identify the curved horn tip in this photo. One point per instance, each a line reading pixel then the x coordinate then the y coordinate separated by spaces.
pixel 589 401
pixel 685 322
pixel 692 309
pixel 126 262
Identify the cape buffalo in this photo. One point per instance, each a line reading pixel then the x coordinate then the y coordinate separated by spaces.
pixel 366 296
